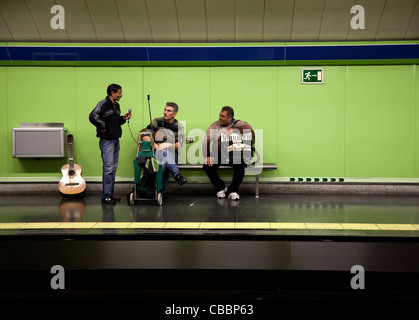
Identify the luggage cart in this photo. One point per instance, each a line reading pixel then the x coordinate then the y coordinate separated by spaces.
pixel 147 175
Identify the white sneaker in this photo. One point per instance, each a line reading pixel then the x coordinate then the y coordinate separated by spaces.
pixel 221 194
pixel 234 196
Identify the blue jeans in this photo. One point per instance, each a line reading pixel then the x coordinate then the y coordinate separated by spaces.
pixel 110 154
pixel 168 160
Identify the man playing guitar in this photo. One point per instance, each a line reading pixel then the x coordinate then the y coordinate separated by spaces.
pixel 169 135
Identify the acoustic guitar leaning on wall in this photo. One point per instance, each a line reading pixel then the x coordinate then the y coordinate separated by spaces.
pixel 72 182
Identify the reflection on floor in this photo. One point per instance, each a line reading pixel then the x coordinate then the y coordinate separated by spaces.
pixel 279 252
pixel 283 214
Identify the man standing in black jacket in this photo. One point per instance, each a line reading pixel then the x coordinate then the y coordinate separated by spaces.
pixel 106 116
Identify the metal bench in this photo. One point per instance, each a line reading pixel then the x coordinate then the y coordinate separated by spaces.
pixel 250 168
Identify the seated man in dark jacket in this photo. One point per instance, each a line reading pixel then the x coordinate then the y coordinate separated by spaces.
pixel 228 148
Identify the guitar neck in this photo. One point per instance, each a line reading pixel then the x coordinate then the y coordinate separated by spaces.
pixel 70 157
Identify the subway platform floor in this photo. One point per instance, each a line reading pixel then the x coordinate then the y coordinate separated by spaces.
pixel 270 254
pixel 203 214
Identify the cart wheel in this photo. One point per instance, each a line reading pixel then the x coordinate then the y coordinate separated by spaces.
pixel 159 199
pixel 131 198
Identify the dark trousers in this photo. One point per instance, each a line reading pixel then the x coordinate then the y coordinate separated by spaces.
pixel 218 183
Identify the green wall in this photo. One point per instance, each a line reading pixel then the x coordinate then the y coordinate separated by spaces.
pixel 362 123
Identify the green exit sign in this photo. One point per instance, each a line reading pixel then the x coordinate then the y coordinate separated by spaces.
pixel 312 75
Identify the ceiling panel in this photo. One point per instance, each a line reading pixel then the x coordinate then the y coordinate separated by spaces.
pixel 249 19
pixel 163 20
pixel 220 20
pixel 373 15
pixel 4 30
pixel 184 21
pixel 41 14
pixel 106 20
pixel 192 20
pixel 278 20
pixel 78 22
pixel 394 22
pixel 307 20
pixel 412 31
pixel 135 20
pixel 19 20
pixel 336 20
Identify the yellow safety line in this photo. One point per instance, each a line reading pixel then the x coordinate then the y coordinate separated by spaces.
pixel 209 225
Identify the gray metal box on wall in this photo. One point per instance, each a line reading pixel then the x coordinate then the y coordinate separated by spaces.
pixel 40 140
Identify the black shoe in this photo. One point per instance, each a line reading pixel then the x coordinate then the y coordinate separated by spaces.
pixel 180 179
pixel 116 199
pixel 108 201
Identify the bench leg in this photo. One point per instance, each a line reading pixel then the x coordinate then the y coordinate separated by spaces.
pixel 257 186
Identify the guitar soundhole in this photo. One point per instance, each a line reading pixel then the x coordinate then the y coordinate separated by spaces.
pixel 71 172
